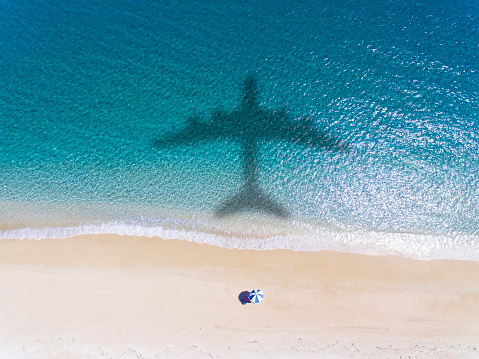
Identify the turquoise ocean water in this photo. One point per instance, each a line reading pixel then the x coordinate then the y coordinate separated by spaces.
pixel 88 86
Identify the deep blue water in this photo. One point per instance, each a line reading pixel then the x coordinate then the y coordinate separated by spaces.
pixel 88 86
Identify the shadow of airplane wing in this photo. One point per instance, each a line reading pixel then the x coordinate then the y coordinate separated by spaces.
pixel 197 131
pixel 302 132
pixel 251 198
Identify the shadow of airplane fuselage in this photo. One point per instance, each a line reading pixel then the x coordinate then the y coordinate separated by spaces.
pixel 249 124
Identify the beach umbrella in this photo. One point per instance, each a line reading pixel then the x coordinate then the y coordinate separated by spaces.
pixel 256 296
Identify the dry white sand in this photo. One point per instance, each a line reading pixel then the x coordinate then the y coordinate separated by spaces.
pixel 130 297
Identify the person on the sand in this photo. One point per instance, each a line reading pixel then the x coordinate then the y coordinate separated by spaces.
pixel 244 297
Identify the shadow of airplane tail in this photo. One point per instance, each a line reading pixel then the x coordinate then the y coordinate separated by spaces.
pixel 250 197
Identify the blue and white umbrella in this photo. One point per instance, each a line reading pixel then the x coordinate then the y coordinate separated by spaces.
pixel 256 296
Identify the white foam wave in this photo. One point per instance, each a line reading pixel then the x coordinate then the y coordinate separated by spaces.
pixel 411 245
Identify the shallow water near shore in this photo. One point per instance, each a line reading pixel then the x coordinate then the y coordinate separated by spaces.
pixel 88 88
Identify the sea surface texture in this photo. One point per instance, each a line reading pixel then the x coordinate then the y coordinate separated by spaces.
pixel 92 90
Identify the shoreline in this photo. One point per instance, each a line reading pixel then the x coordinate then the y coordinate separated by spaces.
pixel 113 292
pixel 416 246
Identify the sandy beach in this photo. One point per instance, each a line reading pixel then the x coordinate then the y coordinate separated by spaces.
pixel 130 297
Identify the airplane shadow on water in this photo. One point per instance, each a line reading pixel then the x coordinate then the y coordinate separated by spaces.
pixel 249 124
